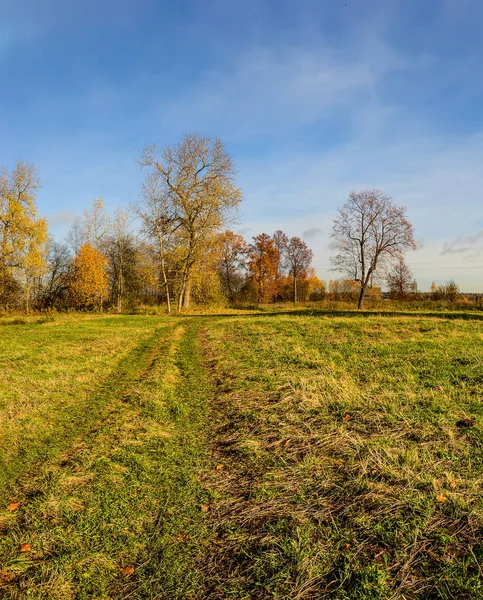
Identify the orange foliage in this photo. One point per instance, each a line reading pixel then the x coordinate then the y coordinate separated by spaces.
pixel 263 260
pixel 89 283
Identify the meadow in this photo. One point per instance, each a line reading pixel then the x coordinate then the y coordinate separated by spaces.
pixel 253 454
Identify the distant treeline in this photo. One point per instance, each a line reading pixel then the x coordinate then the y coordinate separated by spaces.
pixel 173 245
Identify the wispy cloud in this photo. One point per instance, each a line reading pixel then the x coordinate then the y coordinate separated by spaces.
pixel 464 244
pixel 269 91
pixel 312 233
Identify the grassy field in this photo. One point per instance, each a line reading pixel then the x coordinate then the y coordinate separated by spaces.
pixel 285 455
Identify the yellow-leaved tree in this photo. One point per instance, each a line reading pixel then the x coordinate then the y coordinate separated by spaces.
pixel 23 235
pixel 89 278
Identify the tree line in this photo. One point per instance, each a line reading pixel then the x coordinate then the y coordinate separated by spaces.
pixel 174 244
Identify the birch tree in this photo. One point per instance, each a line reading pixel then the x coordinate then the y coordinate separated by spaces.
pixel 23 235
pixel 159 222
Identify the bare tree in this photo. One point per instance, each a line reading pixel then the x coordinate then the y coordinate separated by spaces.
pixel 92 228
pixel 232 262
pixel 159 222
pixel 118 248
pixel 280 241
pixel 75 236
pixel 400 280
pixel 197 179
pixel 299 257
pixel 56 278
pixel 370 230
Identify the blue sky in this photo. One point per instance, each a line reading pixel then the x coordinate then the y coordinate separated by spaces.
pixel 314 98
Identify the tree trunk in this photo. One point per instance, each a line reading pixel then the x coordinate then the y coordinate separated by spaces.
pixel 165 277
pixel 364 284
pixel 187 295
pixel 166 287
pixel 184 297
pixel 181 296
pixel 119 292
pixel 294 288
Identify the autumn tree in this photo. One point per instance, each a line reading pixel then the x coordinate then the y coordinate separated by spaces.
pixel 34 262
pixel 452 291
pixel 400 280
pixel 299 257
pixel 346 290
pixel 89 279
pixel 369 232
pixel 231 263
pixel 23 235
pixel 311 287
pixel 159 222
pixel 263 260
pixel 147 273
pixel 435 292
pixel 196 180
pixel 206 285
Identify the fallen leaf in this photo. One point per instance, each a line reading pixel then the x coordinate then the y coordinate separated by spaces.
pixel 182 537
pixel 219 467
pixel 54 521
pixel 127 570
pixel 441 498
pixel 13 506
pixel 205 507
pixel 452 484
pixel 6 576
pixel 347 418
pixel 25 548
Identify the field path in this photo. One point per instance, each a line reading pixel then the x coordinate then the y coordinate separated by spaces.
pixel 263 456
pixel 117 513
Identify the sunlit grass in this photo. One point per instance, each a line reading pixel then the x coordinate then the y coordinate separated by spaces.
pixel 300 454
pixel 349 475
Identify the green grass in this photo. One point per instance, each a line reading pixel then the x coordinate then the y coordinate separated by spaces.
pixel 248 455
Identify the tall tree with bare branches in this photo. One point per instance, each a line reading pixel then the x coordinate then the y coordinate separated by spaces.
pixel 370 230
pixel 231 263
pixel 196 178
pixel 159 222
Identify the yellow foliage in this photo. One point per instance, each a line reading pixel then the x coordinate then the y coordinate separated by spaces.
pixel 89 282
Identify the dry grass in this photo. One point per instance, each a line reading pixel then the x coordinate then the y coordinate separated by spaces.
pixel 345 473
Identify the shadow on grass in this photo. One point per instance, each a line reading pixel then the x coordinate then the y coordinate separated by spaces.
pixel 342 313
